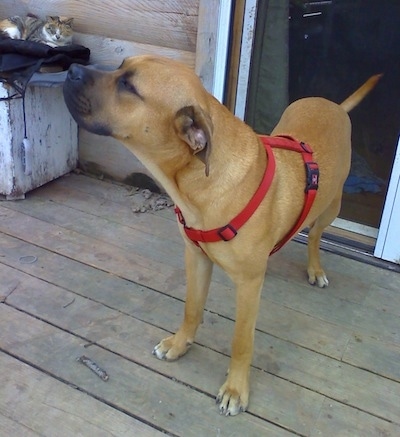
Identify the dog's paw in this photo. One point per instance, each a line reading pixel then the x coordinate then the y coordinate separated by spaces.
pixel 232 401
pixel 317 278
pixel 170 349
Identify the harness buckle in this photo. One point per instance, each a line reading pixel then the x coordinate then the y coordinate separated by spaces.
pixel 312 174
pixel 306 148
pixel 227 232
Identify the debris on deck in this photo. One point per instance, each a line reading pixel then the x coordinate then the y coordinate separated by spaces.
pixel 145 200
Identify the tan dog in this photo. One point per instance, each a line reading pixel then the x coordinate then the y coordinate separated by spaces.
pixel 159 109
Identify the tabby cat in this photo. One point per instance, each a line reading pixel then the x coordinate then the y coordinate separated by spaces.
pixel 54 31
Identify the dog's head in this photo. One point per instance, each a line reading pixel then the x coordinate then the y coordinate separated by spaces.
pixel 151 104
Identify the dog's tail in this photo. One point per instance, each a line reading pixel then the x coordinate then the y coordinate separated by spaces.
pixel 358 95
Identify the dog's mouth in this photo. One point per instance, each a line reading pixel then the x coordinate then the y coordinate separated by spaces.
pixel 78 88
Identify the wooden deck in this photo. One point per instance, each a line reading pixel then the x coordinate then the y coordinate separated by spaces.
pixel 81 274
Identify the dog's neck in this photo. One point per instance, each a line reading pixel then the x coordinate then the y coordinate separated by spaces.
pixel 166 175
pixel 183 177
pixel 236 170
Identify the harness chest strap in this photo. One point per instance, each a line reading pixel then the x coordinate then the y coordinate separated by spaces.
pixel 229 231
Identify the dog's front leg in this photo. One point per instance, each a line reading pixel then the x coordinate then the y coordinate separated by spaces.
pixel 233 396
pixel 198 277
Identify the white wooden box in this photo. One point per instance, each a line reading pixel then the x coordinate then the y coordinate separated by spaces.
pixel 51 131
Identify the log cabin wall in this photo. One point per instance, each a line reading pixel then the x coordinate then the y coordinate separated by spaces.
pixel 184 30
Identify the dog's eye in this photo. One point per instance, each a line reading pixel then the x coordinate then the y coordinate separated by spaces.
pixel 124 84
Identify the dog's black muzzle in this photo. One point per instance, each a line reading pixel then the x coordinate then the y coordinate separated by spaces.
pixel 82 95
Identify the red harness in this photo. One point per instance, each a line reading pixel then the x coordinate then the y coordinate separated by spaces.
pixel 229 231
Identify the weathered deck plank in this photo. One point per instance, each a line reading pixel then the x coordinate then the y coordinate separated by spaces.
pixel 11 427
pixel 155 398
pixel 352 314
pixel 276 319
pixel 107 194
pixel 134 340
pixel 325 361
pixel 43 300
pixel 34 403
pixel 335 420
pixel 112 202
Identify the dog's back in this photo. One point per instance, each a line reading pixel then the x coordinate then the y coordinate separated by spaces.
pixel 326 127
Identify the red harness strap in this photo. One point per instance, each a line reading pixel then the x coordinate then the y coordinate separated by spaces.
pixel 312 179
pixel 229 231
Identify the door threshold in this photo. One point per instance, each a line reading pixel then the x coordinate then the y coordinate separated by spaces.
pixel 353 235
pixel 355 228
pixel 350 244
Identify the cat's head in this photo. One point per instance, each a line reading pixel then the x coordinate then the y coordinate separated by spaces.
pixel 58 30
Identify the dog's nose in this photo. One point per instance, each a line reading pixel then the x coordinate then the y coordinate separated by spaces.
pixel 80 75
pixel 75 73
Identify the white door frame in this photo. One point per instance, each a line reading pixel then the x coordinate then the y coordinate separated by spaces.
pixel 388 242
pixel 212 44
pixel 222 48
pixel 246 49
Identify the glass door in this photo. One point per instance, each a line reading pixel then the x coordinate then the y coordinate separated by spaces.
pixel 329 48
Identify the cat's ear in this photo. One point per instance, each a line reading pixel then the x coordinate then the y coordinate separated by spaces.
pixel 68 21
pixel 52 18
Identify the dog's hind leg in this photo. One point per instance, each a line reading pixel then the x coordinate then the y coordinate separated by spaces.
pixel 316 274
pixel 198 276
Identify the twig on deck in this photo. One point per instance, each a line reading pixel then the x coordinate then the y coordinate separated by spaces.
pixel 8 293
pixel 69 303
pixel 89 344
pixel 93 367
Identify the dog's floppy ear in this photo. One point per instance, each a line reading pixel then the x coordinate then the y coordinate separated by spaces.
pixel 194 126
